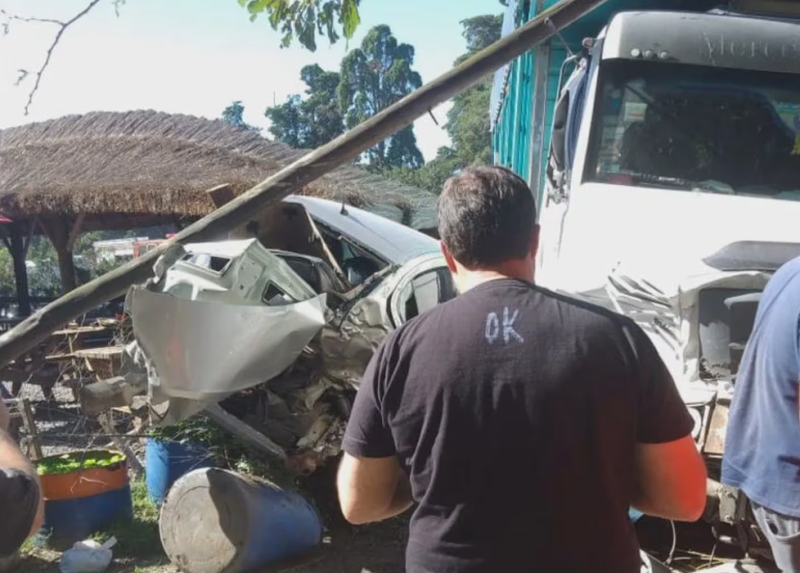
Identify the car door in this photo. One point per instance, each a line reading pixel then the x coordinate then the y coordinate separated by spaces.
pixel 423 286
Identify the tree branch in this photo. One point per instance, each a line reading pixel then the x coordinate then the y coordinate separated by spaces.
pixel 62 28
pixel 14 17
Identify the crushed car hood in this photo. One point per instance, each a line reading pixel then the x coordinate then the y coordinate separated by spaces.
pixel 207 332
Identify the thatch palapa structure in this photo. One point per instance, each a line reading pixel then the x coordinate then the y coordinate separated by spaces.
pixel 107 170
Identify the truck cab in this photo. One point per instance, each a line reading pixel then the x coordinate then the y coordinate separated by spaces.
pixel 666 164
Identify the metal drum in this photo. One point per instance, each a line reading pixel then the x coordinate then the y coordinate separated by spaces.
pixel 217 521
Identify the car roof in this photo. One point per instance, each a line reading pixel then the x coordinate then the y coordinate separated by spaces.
pixel 391 241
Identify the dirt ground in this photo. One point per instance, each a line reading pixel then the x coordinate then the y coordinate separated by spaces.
pixel 376 549
pixel 380 549
pixel 367 549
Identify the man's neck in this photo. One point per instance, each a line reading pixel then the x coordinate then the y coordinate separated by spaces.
pixel 471 279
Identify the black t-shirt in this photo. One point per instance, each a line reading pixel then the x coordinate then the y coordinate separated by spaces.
pixel 515 412
pixel 19 501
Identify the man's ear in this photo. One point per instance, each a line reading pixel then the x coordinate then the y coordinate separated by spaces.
pixel 451 262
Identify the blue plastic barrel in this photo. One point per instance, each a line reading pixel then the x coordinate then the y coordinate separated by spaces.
pixel 216 521
pixel 69 520
pixel 165 461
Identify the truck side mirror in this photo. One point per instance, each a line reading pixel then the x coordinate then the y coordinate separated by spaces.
pixel 556 164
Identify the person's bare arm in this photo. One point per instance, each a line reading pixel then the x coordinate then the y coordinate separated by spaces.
pixel 671 480
pixel 12 458
pixel 670 475
pixel 372 489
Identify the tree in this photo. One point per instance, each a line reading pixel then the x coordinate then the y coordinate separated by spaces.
pixel 430 176
pixel 480 32
pixel 305 19
pixel 234 115
pixel 313 121
pixel 468 121
pixel 374 77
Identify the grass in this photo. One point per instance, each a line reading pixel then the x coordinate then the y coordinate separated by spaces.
pixel 138 548
pixel 138 537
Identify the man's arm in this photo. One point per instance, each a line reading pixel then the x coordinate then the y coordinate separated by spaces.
pixel 372 489
pixel 670 472
pixel 671 480
pixel 371 484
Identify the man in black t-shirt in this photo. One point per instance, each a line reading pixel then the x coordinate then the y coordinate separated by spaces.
pixel 522 423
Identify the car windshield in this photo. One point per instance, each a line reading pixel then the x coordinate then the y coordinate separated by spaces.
pixel 697 128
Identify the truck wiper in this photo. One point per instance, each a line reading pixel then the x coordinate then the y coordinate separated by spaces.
pixel 687 184
pixel 663 180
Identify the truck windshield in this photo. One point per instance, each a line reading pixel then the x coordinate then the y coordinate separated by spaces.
pixel 697 128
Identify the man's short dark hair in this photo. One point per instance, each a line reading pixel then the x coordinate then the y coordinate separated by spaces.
pixel 487 215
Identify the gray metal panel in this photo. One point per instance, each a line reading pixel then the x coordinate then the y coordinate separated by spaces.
pixel 714 40
pixel 392 241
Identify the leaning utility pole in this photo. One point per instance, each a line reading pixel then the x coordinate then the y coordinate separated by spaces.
pixel 34 329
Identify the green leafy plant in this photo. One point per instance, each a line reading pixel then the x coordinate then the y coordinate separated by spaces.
pixel 228 452
pixel 305 19
pixel 75 461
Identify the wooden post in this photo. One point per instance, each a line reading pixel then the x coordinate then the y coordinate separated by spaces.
pixel 61 233
pixel 305 170
pixel 17 248
pixel 35 448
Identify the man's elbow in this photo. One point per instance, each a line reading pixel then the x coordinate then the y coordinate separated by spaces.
pixel 356 515
pixel 355 518
pixel 694 500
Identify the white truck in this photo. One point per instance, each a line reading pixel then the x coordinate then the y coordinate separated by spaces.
pixel 670 189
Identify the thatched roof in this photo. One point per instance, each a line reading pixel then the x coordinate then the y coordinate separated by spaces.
pixel 149 166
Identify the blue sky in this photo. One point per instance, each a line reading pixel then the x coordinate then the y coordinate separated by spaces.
pixel 178 57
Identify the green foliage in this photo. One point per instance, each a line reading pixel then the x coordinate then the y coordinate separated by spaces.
pixel 227 451
pixel 430 176
pixel 304 20
pixel 480 32
pixel 311 122
pixel 75 461
pixel 234 115
pixel 468 122
pixel 373 77
pixel 8 286
pixel 138 537
pixel 44 278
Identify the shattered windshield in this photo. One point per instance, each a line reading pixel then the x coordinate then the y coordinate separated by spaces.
pixel 697 128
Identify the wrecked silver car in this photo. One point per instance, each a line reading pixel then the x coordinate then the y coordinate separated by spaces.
pixel 278 322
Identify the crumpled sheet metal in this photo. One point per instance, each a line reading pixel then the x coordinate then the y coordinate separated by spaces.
pixel 203 350
pixel 667 310
pixel 348 349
